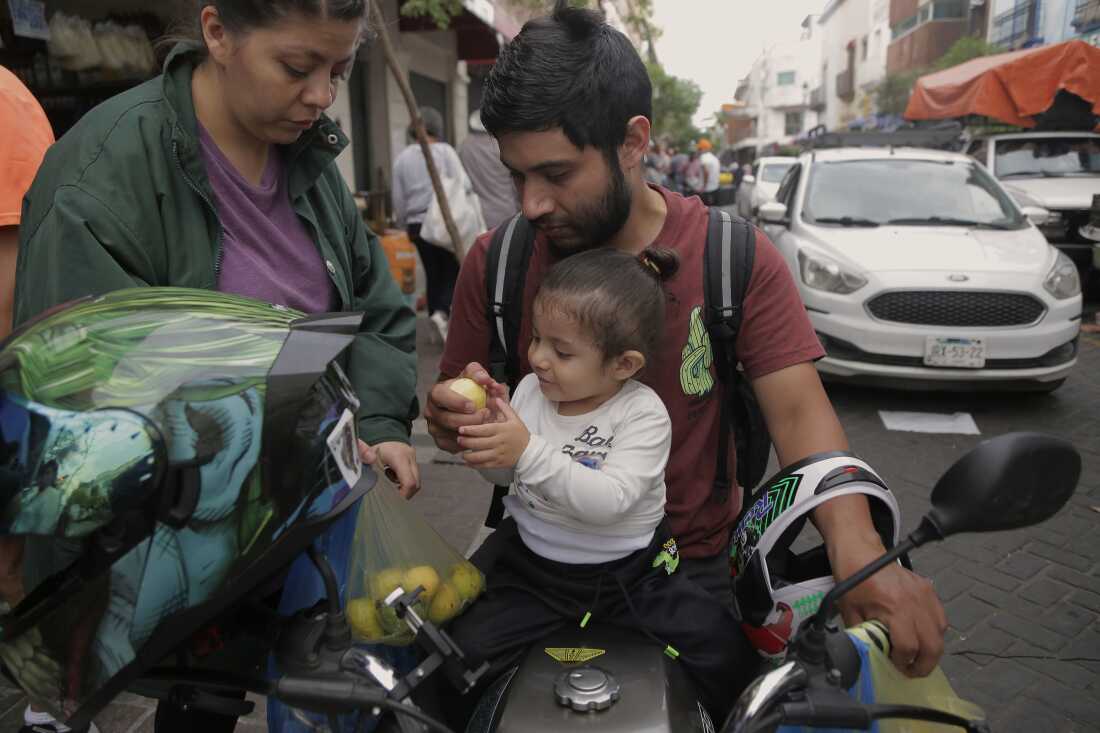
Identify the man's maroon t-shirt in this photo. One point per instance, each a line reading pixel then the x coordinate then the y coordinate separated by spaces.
pixel 775 333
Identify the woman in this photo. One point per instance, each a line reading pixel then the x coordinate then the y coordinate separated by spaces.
pixel 413 195
pixel 220 174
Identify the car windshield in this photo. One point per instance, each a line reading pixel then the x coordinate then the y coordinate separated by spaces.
pixel 774 172
pixel 909 192
pixel 1048 157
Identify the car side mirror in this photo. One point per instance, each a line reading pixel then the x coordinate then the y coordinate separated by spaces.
pixel 748 179
pixel 1037 215
pixel 773 212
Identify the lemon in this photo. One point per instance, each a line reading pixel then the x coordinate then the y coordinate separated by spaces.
pixel 471 390
pixel 422 575
pixel 445 605
pixel 467 580
pixel 363 617
pixel 384 583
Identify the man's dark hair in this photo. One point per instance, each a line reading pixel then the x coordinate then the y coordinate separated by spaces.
pixel 569 70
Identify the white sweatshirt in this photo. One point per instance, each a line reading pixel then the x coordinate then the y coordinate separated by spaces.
pixel 589 488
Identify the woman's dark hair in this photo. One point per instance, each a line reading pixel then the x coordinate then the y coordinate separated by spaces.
pixel 615 297
pixel 241 16
pixel 569 70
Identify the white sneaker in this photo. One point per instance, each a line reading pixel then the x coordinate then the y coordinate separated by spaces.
pixel 439 318
pixel 45 723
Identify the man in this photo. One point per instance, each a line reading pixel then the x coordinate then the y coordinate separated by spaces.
pixel 580 180
pixel 712 170
pixel 480 155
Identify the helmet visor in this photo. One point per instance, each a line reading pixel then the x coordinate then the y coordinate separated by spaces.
pixel 66 473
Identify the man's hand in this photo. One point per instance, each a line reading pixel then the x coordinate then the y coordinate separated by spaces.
pixel 495 444
pixel 904 601
pixel 446 410
pixel 397 461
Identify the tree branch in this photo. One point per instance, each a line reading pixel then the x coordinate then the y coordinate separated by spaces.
pixel 402 79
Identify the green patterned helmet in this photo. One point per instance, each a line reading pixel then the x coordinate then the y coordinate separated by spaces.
pixel 180 447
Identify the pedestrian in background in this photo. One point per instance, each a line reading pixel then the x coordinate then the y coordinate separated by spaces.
pixel 480 155
pixel 413 195
pixel 711 170
pixel 693 175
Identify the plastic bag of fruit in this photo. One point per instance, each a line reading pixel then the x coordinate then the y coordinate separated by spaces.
pixel 395 547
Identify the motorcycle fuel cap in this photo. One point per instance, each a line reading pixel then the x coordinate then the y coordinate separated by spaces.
pixel 586 688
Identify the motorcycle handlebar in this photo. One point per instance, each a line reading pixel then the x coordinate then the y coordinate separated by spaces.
pixel 338 696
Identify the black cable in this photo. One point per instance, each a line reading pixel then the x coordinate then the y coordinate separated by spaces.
pixel 401 709
pixel 931 715
pixel 332 589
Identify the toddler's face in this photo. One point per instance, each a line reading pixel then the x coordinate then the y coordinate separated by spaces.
pixel 570 368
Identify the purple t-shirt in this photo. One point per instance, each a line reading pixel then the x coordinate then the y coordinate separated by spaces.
pixel 267 252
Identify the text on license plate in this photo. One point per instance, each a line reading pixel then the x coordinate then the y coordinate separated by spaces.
pixel 963 353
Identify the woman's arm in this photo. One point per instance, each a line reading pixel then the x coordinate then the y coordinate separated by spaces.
pixel 79 248
pixel 382 360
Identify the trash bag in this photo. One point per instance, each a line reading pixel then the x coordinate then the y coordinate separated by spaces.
pixel 395 547
pixel 881 683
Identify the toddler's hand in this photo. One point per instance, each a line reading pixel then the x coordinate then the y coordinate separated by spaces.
pixel 495 444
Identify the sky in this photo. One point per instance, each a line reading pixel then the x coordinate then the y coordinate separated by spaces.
pixel 714 42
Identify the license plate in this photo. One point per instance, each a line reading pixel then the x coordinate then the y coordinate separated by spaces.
pixel 960 353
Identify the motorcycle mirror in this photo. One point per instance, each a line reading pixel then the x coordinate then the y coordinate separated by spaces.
pixel 1010 481
pixel 1013 480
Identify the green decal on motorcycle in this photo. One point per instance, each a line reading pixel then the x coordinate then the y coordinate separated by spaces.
pixel 573 655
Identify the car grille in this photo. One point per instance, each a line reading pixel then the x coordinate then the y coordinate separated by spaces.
pixel 956 308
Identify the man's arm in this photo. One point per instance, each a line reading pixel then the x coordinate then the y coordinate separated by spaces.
pixel 801 421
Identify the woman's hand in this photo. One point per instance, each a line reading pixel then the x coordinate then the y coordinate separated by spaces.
pixel 496 444
pixel 397 461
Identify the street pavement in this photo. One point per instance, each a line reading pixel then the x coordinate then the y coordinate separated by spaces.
pixel 1024 641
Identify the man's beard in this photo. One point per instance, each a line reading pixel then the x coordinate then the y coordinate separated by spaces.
pixel 594 226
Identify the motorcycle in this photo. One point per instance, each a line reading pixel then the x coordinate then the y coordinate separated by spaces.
pixel 608 679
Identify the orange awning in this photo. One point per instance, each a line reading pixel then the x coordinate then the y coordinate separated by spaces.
pixel 1010 87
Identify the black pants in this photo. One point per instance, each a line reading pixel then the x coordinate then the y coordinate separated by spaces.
pixel 528 597
pixel 440 269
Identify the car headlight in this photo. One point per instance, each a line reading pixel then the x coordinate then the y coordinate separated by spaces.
pixel 1063 281
pixel 823 273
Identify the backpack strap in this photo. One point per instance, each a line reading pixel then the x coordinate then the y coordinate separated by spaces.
pixel 505 274
pixel 727 266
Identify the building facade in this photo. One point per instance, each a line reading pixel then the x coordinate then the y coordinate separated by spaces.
pixel 773 101
pixel 1016 24
pixel 855 36
pixel 923 30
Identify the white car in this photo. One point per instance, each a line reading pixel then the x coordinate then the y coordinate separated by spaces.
pixel 1059 171
pixel 918 269
pixel 760 184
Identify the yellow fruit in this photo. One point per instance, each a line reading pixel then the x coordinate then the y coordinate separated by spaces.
pixel 364 619
pixel 384 583
pixel 424 575
pixel 471 390
pixel 467 580
pixel 445 605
